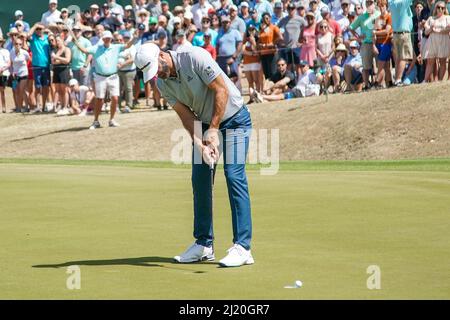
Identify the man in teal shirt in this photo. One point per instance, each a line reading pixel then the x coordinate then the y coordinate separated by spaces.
pixel 365 23
pixel 106 79
pixel 402 25
pixel 80 61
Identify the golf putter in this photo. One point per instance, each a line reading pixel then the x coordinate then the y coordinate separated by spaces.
pixel 211 172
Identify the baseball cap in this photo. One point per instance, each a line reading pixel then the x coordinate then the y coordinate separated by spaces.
pixel 244 4
pixel 107 34
pixel 73 82
pixel 153 20
pixel 303 63
pixel 233 7
pixel 278 5
pixel 18 23
pixel 180 33
pixel 126 34
pixel 95 6
pixel 354 44
pixel 76 27
pixel 128 8
pixel 188 15
pixel 13 31
pixel 309 13
pixel 225 18
pixel 345 1
pixel 64 10
pixel 164 2
pixel 291 6
pixel 116 10
pixel 341 47
pixel 178 9
pixel 18 13
pixel 147 60
pixel 176 20
pixel 252 11
pixel 53 1
pixel 324 10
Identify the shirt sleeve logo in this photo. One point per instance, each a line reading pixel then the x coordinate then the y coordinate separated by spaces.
pixel 209 71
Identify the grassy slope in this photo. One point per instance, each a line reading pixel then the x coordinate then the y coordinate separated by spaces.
pixel 122 225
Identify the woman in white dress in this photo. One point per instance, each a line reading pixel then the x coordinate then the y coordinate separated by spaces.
pixel 437 46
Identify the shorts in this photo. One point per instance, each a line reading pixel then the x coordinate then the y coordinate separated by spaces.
pixel 356 77
pixel 403 46
pixel 367 56
pixel 41 77
pixel 384 52
pixel 139 75
pixel 61 75
pixel 293 93
pixel 256 66
pixel 3 81
pixel 104 84
pixel 291 55
pixel 231 70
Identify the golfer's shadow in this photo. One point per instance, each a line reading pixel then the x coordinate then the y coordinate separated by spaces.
pixel 139 262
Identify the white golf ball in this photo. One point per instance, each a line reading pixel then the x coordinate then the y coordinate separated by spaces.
pixel 298 284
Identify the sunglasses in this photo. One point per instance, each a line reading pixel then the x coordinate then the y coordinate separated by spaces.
pixel 17 44
pixel 205 21
pixel 440 8
pixel 281 65
pixel 323 27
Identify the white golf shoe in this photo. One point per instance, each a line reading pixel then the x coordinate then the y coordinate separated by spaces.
pixel 196 253
pixel 237 256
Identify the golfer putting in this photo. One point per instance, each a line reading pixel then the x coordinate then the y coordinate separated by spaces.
pixel 200 92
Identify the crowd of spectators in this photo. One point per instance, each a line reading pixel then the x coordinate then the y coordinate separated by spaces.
pixel 77 62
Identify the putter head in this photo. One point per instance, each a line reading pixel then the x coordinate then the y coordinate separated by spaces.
pixel 211 165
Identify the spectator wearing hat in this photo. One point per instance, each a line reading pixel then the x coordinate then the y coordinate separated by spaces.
pixel 128 13
pixel 315 10
pixel 437 47
pixel 138 5
pixel 263 6
pixel 342 17
pixel 333 25
pixel 335 73
pixel 198 39
pixel 40 48
pixel 278 13
pixel 188 26
pixel 365 23
pixel 187 5
pixel 112 19
pixel 229 46
pixel 208 46
pixel 307 85
pixel 237 22
pixel 81 98
pixel 353 68
pixel 254 18
pixel 269 37
pixel 143 16
pixel 382 36
pixel 5 64
pixel 181 41
pixel 402 43
pixel 65 19
pixel 18 15
pixel 291 25
pixel 52 14
pixel 106 58
pixel 165 8
pixel 224 8
pixel 176 26
pixel 199 10
pixel 244 13
pixel 80 63
pixel 154 7
pixel 251 60
pixel 129 26
pixel 308 40
pixel 94 11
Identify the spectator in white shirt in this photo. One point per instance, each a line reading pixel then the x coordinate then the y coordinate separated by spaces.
pixel 199 10
pixel 5 64
pixel 19 59
pixel 52 15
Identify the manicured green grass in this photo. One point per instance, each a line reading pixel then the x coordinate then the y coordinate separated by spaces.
pixel 320 222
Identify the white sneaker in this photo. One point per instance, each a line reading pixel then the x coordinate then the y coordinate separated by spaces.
pixel 48 107
pixel 196 253
pixel 237 256
pixel 113 123
pixel 95 125
pixel 83 113
pixel 63 112
pixel 126 109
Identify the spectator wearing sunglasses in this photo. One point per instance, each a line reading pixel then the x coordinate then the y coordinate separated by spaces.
pixel 19 17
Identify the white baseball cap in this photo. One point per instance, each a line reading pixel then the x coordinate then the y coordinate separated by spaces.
pixel 73 82
pixel 128 7
pixel 53 1
pixel 107 34
pixel 147 60
pixel 176 20
pixel 18 13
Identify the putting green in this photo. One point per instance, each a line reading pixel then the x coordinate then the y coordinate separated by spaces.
pixel 321 223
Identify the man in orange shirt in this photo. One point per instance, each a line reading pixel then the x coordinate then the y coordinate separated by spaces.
pixel 382 36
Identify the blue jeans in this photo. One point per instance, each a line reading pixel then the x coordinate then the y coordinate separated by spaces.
pixel 236 136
